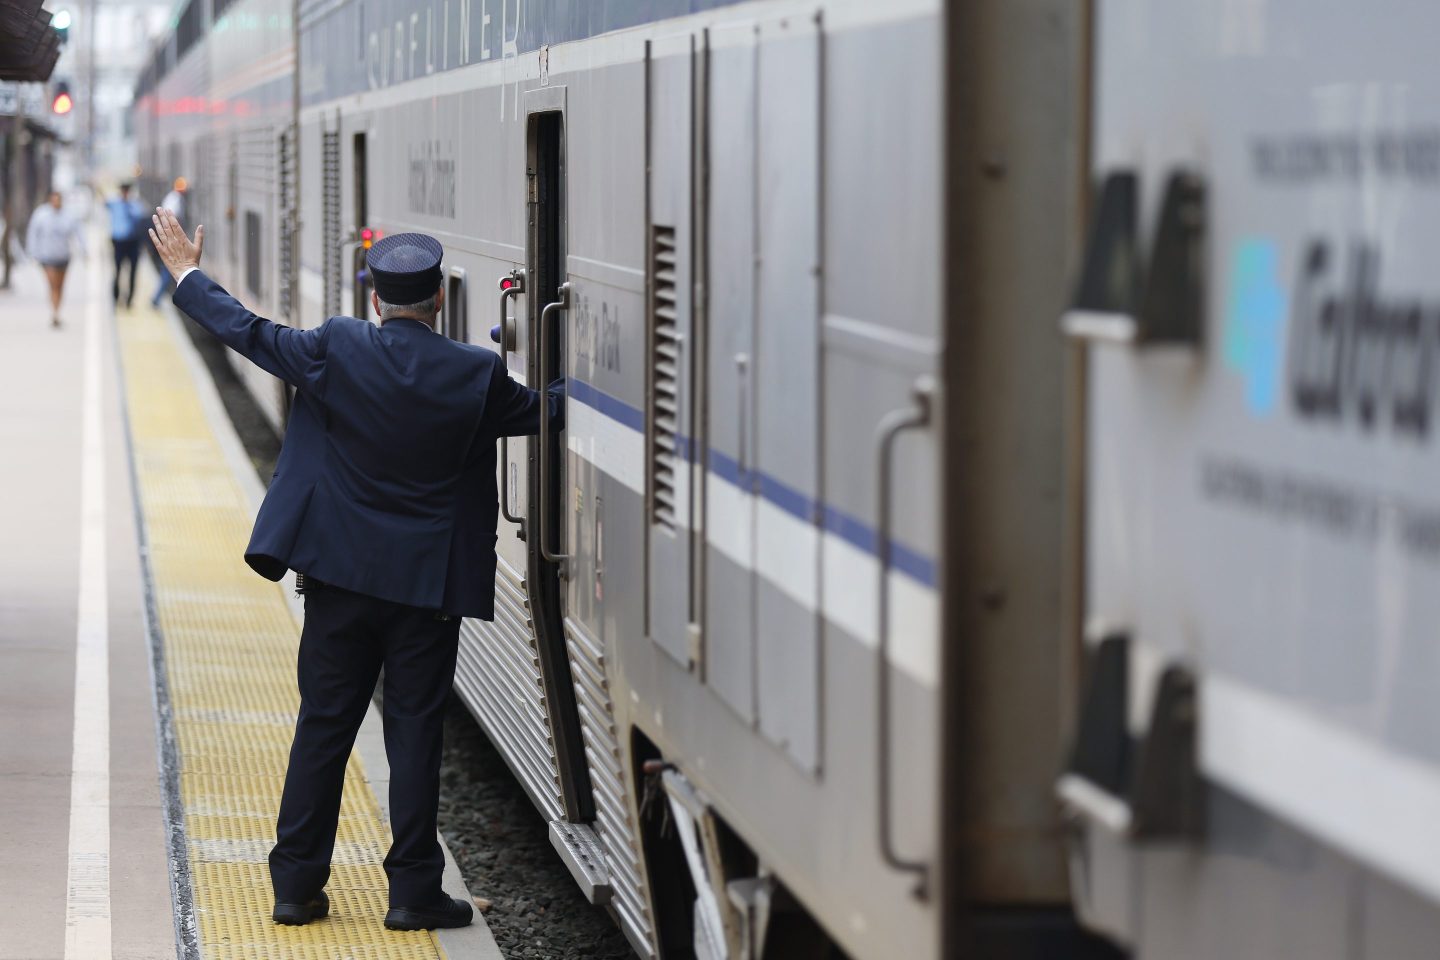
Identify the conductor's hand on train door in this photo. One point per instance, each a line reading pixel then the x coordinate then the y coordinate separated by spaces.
pixel 177 251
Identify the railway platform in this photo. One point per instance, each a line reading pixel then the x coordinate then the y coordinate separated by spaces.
pixel 147 682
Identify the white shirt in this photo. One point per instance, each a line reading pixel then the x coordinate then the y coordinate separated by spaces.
pixel 50 233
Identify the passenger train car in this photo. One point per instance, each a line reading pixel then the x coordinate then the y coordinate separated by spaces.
pixel 993 487
pixel 714 661
pixel 1257 771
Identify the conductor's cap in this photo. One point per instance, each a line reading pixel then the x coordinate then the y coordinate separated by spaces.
pixel 406 267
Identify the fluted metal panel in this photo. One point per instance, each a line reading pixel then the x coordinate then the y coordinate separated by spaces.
pixel 613 824
pixel 498 677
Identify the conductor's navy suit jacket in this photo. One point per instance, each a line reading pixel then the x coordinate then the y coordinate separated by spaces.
pixel 386 480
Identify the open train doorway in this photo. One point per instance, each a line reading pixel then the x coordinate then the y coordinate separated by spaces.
pixel 546 523
pixel 359 274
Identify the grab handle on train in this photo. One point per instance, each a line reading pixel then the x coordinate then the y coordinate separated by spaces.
pixel 554 556
pixel 510 285
pixel 1143 298
pixel 913 417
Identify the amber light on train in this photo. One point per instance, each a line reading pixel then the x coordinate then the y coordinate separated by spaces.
pixel 367 238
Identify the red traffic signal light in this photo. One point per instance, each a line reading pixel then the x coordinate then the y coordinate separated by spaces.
pixel 61 102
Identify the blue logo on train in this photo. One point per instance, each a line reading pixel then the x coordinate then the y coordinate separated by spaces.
pixel 1255 312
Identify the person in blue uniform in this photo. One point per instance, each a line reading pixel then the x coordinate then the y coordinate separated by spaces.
pixel 384 499
pixel 127 229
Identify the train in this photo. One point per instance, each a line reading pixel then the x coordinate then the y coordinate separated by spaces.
pixel 992 516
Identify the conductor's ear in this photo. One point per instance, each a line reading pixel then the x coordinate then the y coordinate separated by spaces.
pixel 439 300
pixel 375 302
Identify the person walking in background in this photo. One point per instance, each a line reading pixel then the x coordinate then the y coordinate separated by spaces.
pixel 127 226
pixel 174 202
pixel 48 239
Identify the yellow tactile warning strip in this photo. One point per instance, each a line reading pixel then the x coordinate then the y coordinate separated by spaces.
pixel 229 648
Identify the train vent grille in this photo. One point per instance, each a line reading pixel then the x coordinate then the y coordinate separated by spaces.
pixel 287 219
pixel 665 378
pixel 330 201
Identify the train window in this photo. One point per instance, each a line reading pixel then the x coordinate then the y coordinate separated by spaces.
pixel 252 253
pixel 455 323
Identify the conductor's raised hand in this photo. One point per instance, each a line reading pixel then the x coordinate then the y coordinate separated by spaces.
pixel 176 250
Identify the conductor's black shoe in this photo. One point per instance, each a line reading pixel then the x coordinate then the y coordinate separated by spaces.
pixel 299 914
pixel 451 913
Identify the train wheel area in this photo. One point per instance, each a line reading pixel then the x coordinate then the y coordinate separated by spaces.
pixel 149 677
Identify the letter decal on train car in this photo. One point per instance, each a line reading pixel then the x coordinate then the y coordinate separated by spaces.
pixel 597 335
pixel 1356 354
pixel 432 178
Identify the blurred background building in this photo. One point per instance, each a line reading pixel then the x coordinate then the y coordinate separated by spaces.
pixel 67 78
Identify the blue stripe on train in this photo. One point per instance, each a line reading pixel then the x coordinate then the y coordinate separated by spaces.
pixel 800 505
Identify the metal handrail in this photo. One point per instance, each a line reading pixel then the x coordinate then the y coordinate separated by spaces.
pixel 517 285
pixel 913 417
pixel 561 304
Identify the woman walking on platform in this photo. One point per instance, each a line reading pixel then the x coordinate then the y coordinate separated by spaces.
pixel 48 240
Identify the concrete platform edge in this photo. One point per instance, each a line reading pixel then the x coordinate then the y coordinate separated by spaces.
pixel 475 942
pixel 187 930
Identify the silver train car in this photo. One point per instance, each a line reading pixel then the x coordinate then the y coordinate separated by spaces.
pixel 994 484
pixel 691 210
pixel 215 107
pixel 1256 771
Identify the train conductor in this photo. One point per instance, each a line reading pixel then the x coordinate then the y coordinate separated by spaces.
pixel 384 499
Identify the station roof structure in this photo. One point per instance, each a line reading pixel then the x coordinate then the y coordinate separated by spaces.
pixel 29 46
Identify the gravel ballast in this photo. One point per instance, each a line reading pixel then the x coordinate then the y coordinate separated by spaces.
pixel 502 845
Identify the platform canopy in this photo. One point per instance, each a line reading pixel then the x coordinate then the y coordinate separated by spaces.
pixel 29 46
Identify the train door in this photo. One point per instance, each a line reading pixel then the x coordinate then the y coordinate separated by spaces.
pixel 762 498
pixel 547 519
pixel 787 387
pixel 359 276
pixel 728 566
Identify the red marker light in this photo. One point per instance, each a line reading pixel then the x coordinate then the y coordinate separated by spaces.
pixel 367 237
pixel 506 284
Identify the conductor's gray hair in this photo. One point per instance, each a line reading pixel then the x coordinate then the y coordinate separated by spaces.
pixel 424 310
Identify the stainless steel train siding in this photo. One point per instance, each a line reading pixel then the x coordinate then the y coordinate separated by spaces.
pixel 759 604
pixel 734 231
pixel 802 265
pixel 1261 476
pixel 218 110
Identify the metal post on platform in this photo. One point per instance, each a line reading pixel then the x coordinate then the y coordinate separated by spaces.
pixel 87 153
pixel 7 194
